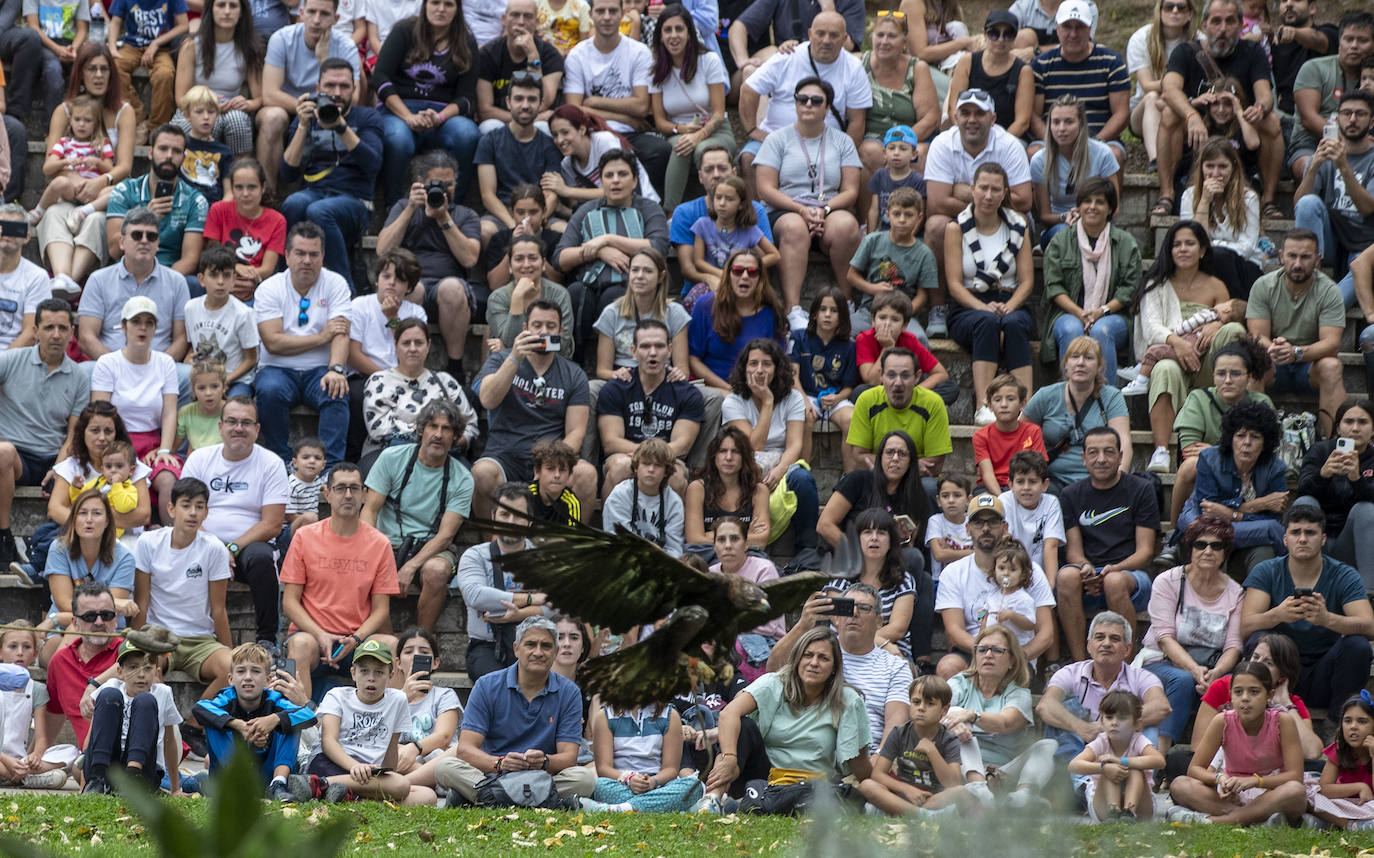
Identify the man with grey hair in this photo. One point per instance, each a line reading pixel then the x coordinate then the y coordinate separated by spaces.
pixel 522 718
pixel 418 496
pixel 22 284
pixel 1073 693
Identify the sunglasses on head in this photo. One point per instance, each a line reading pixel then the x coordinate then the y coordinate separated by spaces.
pixel 889 13
pixel 92 616
pixel 811 100
pixel 526 77
pixel 304 318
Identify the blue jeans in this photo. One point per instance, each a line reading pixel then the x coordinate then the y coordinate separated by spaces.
pixel 279 389
pixel 1181 691
pixel 1310 212
pixel 1109 331
pixel 1048 234
pixel 808 512
pixel 343 219
pixel 458 136
pixel 280 751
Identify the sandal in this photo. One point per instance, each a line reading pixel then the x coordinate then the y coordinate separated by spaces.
pixel 1271 211
pixel 1163 206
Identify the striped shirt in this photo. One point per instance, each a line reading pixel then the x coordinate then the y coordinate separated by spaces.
pixel 889 597
pixel 638 739
pixel 1093 79
pixel 881 678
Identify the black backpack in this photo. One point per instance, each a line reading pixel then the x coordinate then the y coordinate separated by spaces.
pixel 532 788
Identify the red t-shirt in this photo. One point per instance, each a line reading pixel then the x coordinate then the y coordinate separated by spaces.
pixel 67 675
pixel 866 349
pixel 1219 694
pixel 247 238
pixel 989 442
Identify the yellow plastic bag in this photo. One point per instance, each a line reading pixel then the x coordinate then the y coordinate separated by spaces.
pixel 782 505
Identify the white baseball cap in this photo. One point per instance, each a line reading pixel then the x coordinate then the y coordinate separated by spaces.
pixel 1075 10
pixel 137 306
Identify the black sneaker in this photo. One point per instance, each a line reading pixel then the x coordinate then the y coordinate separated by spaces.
pixel 97 785
pixel 9 552
pixel 278 791
pixel 335 793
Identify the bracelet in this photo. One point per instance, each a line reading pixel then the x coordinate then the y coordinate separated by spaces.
pixel 1126 761
pixel 163 450
pixel 1259 780
pixel 499 760
pixel 728 754
pixel 357 640
pixel 625 778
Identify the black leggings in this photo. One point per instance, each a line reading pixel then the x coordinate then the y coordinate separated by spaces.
pixel 752 757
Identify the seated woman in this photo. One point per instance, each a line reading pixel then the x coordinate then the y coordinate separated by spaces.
pixel 764 404
pixel 371 320
pixel 808 177
pixel 937 36
pixel 810 724
pixel 999 73
pixel 1242 480
pixel 743 308
pixel 1066 410
pixel 256 234
pixel 1147 57
pixel 991 285
pixel 1221 200
pixel 601 236
pixel 1090 274
pixel 638 761
pixel 881 567
pixel 729 538
pixel 645 298
pixel 1194 634
pixel 226 55
pixel 426 84
pixel 1336 476
pixel 392 398
pixel 527 207
pixel 1280 655
pixel 731 484
pixel 526 283
pixel 1071 156
pixel 1177 290
pixel 583 138
pixel 903 94
pixel 434 709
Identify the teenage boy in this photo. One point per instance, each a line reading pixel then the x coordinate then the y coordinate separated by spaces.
pixel 918 766
pixel 220 327
pixel 892 328
pixel 554 499
pixel 1008 434
pixel 132 725
pixel 894 260
pixel 1033 515
pixel 152 27
pixel 644 504
pixel 208 162
pixel 899 151
pixel 266 720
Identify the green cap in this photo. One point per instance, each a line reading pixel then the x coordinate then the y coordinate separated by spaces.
pixel 126 647
pixel 373 649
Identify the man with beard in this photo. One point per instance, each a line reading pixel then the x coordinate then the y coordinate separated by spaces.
pixel 78 668
pixel 899 403
pixel 181 208
pixel 502 61
pixel 514 152
pixel 1297 39
pixel 1320 84
pixel 1191 72
pixel 1335 198
pixel 337 153
pixel 1296 312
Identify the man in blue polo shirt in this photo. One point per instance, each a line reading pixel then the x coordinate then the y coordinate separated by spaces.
pixel 524 717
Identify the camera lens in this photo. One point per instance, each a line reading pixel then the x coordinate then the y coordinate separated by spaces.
pixel 328 111
pixel 435 195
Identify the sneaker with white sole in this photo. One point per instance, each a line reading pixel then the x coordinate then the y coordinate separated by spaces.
pixel 709 804
pixel 25 572
pixel 1159 461
pixel 75 218
pixel 984 416
pixel 55 779
pixel 1127 373
pixel 1140 384
pixel 1361 825
pixel 797 319
pixel 1179 813
pixel 938 322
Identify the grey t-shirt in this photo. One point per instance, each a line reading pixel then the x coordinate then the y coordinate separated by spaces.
pixel 808 169
pixel 884 261
pixel 35 403
pixel 534 407
pixel 286 50
pixel 1353 231
pixel 621 329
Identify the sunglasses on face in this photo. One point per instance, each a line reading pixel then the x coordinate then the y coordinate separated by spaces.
pixel 743 270
pixel 1000 34
pixel 142 235
pixel 1176 7
pixel 92 616
pixel 1204 544
pixel 304 318
pixel 811 100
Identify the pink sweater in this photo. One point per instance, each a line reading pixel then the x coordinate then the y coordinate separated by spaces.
pixel 758 570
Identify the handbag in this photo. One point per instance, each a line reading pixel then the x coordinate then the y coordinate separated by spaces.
pixel 776 799
pixel 1207 656
pixel 533 788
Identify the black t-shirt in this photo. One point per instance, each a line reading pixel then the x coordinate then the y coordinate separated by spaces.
pixel 516 162
pixel 425 238
pixel 1106 519
pixel 1288 57
pixel 1247 64
pixel 858 488
pixel 494 64
pixel 669 403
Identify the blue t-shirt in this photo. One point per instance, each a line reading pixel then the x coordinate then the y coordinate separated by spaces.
pixel 119 574
pixel 883 185
pixel 705 344
pixel 508 722
pixel 719 246
pixel 1339 585
pixel 823 366
pixel 516 162
pixel 145 20
pixel 1101 165
pixel 686 214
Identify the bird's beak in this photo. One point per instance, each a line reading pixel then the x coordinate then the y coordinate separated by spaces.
pixel 764 605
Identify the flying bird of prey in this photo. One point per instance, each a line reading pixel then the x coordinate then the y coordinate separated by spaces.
pixel 622 581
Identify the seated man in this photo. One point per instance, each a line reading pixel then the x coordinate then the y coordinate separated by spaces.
pixel 446 240
pixel 1297 313
pixel 714 164
pixel 1335 198
pixel 1186 78
pixel 1111 521
pixel 1297 38
pixel 42 391
pixel 647 405
pixel 1096 75
pixel 1039 30
pixel 302 318
pixel 71 692
pixel 1317 601
pixel 899 403
pixel 514 152
pixel 521 718
pixel 520 55
pixel 292 69
pixel 337 582
pixel 418 496
pixel 337 157
pixel 1315 93
pixel 531 393
pixel 789 23
pixel 180 208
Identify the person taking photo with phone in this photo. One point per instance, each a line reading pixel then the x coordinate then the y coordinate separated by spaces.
pixel 1338 475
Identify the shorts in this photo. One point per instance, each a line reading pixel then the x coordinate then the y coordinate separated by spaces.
pixel 431 300
pixel 825 414
pixel 1295 154
pixel 34 467
pixel 751 147
pixel 1117 146
pixel 513 469
pixel 325 767
pixel 1140 599
pixel 192 653
pixel 449 555
pixel 1291 378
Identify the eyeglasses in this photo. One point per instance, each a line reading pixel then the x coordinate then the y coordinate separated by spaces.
pixel 1204 544
pixel 989 649
pixel 863 609
pixel 92 616
pixel 1353 114
pixel 95 69
pixel 346 489
pixel 744 270
pixel 1000 34
pixel 1230 373
pixel 238 424
pixel 304 318
pixel 899 376
pixel 142 235
pixel 986 521
pixel 896 453
pixel 811 100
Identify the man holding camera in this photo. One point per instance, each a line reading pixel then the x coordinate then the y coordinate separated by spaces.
pixel 180 208
pixel 444 235
pixel 531 392
pixel 337 149
pixel 418 496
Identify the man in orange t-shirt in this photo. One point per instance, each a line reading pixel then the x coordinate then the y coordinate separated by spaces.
pixel 338 579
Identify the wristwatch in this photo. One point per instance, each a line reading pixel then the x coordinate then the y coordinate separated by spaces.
pixel 339 368
pixel 1297 354
pixel 233 548
pixel 90 680
pixel 826 209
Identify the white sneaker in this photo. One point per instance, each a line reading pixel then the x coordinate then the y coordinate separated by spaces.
pixel 55 779
pixel 1179 813
pixel 1127 373
pixel 797 319
pixel 1159 461
pixel 64 286
pixel 75 218
pixel 1140 384
pixel 709 804
pixel 984 416
pixel 938 322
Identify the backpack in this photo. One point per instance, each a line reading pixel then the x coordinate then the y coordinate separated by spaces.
pixel 531 788
pixel 1299 434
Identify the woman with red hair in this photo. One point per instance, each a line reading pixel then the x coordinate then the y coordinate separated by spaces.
pixel 583 138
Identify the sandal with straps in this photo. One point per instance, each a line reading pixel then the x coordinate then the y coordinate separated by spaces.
pixel 1163 206
pixel 1271 211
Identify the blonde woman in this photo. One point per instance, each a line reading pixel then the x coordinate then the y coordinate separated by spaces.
pixel 1147 54
pixel 645 298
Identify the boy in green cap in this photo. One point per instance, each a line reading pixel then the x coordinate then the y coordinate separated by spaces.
pixel 132 724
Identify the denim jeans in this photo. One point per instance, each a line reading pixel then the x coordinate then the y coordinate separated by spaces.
pixel 278 389
pixel 343 219
pixel 458 136
pixel 1110 331
pixel 1181 691
pixel 1310 212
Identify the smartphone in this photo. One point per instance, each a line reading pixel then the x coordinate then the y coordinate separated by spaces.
pixel 14 228
pixel 840 607
pixel 553 342
pixel 287 665
pixel 421 664
pixel 904 520
pixel 164 188
pixel 1302 592
pixel 1331 131
pixel 338 651
pixel 1345 445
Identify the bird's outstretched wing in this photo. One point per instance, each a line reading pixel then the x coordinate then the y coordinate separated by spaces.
pixel 654 670
pixel 784 595
pixel 617 580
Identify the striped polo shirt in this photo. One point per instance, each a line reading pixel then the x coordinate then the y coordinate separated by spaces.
pixel 1100 73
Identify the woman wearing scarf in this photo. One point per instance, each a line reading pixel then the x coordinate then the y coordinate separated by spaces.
pixel 991 287
pixel 1091 269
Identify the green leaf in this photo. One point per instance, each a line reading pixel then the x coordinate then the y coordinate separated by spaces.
pixel 329 839
pixel 236 804
pixel 13 848
pixel 176 837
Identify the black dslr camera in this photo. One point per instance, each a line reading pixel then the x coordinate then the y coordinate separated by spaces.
pixel 325 108
pixel 436 194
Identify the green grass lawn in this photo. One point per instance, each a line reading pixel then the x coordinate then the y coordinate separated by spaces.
pixel 103 826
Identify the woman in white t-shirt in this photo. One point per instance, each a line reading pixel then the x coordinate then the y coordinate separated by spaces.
pixel 583 138
pixel 142 384
pixel 225 55
pixel 1147 55
pixel 766 406
pixel 687 91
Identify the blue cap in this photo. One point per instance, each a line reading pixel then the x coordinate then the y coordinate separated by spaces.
pixel 900 133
